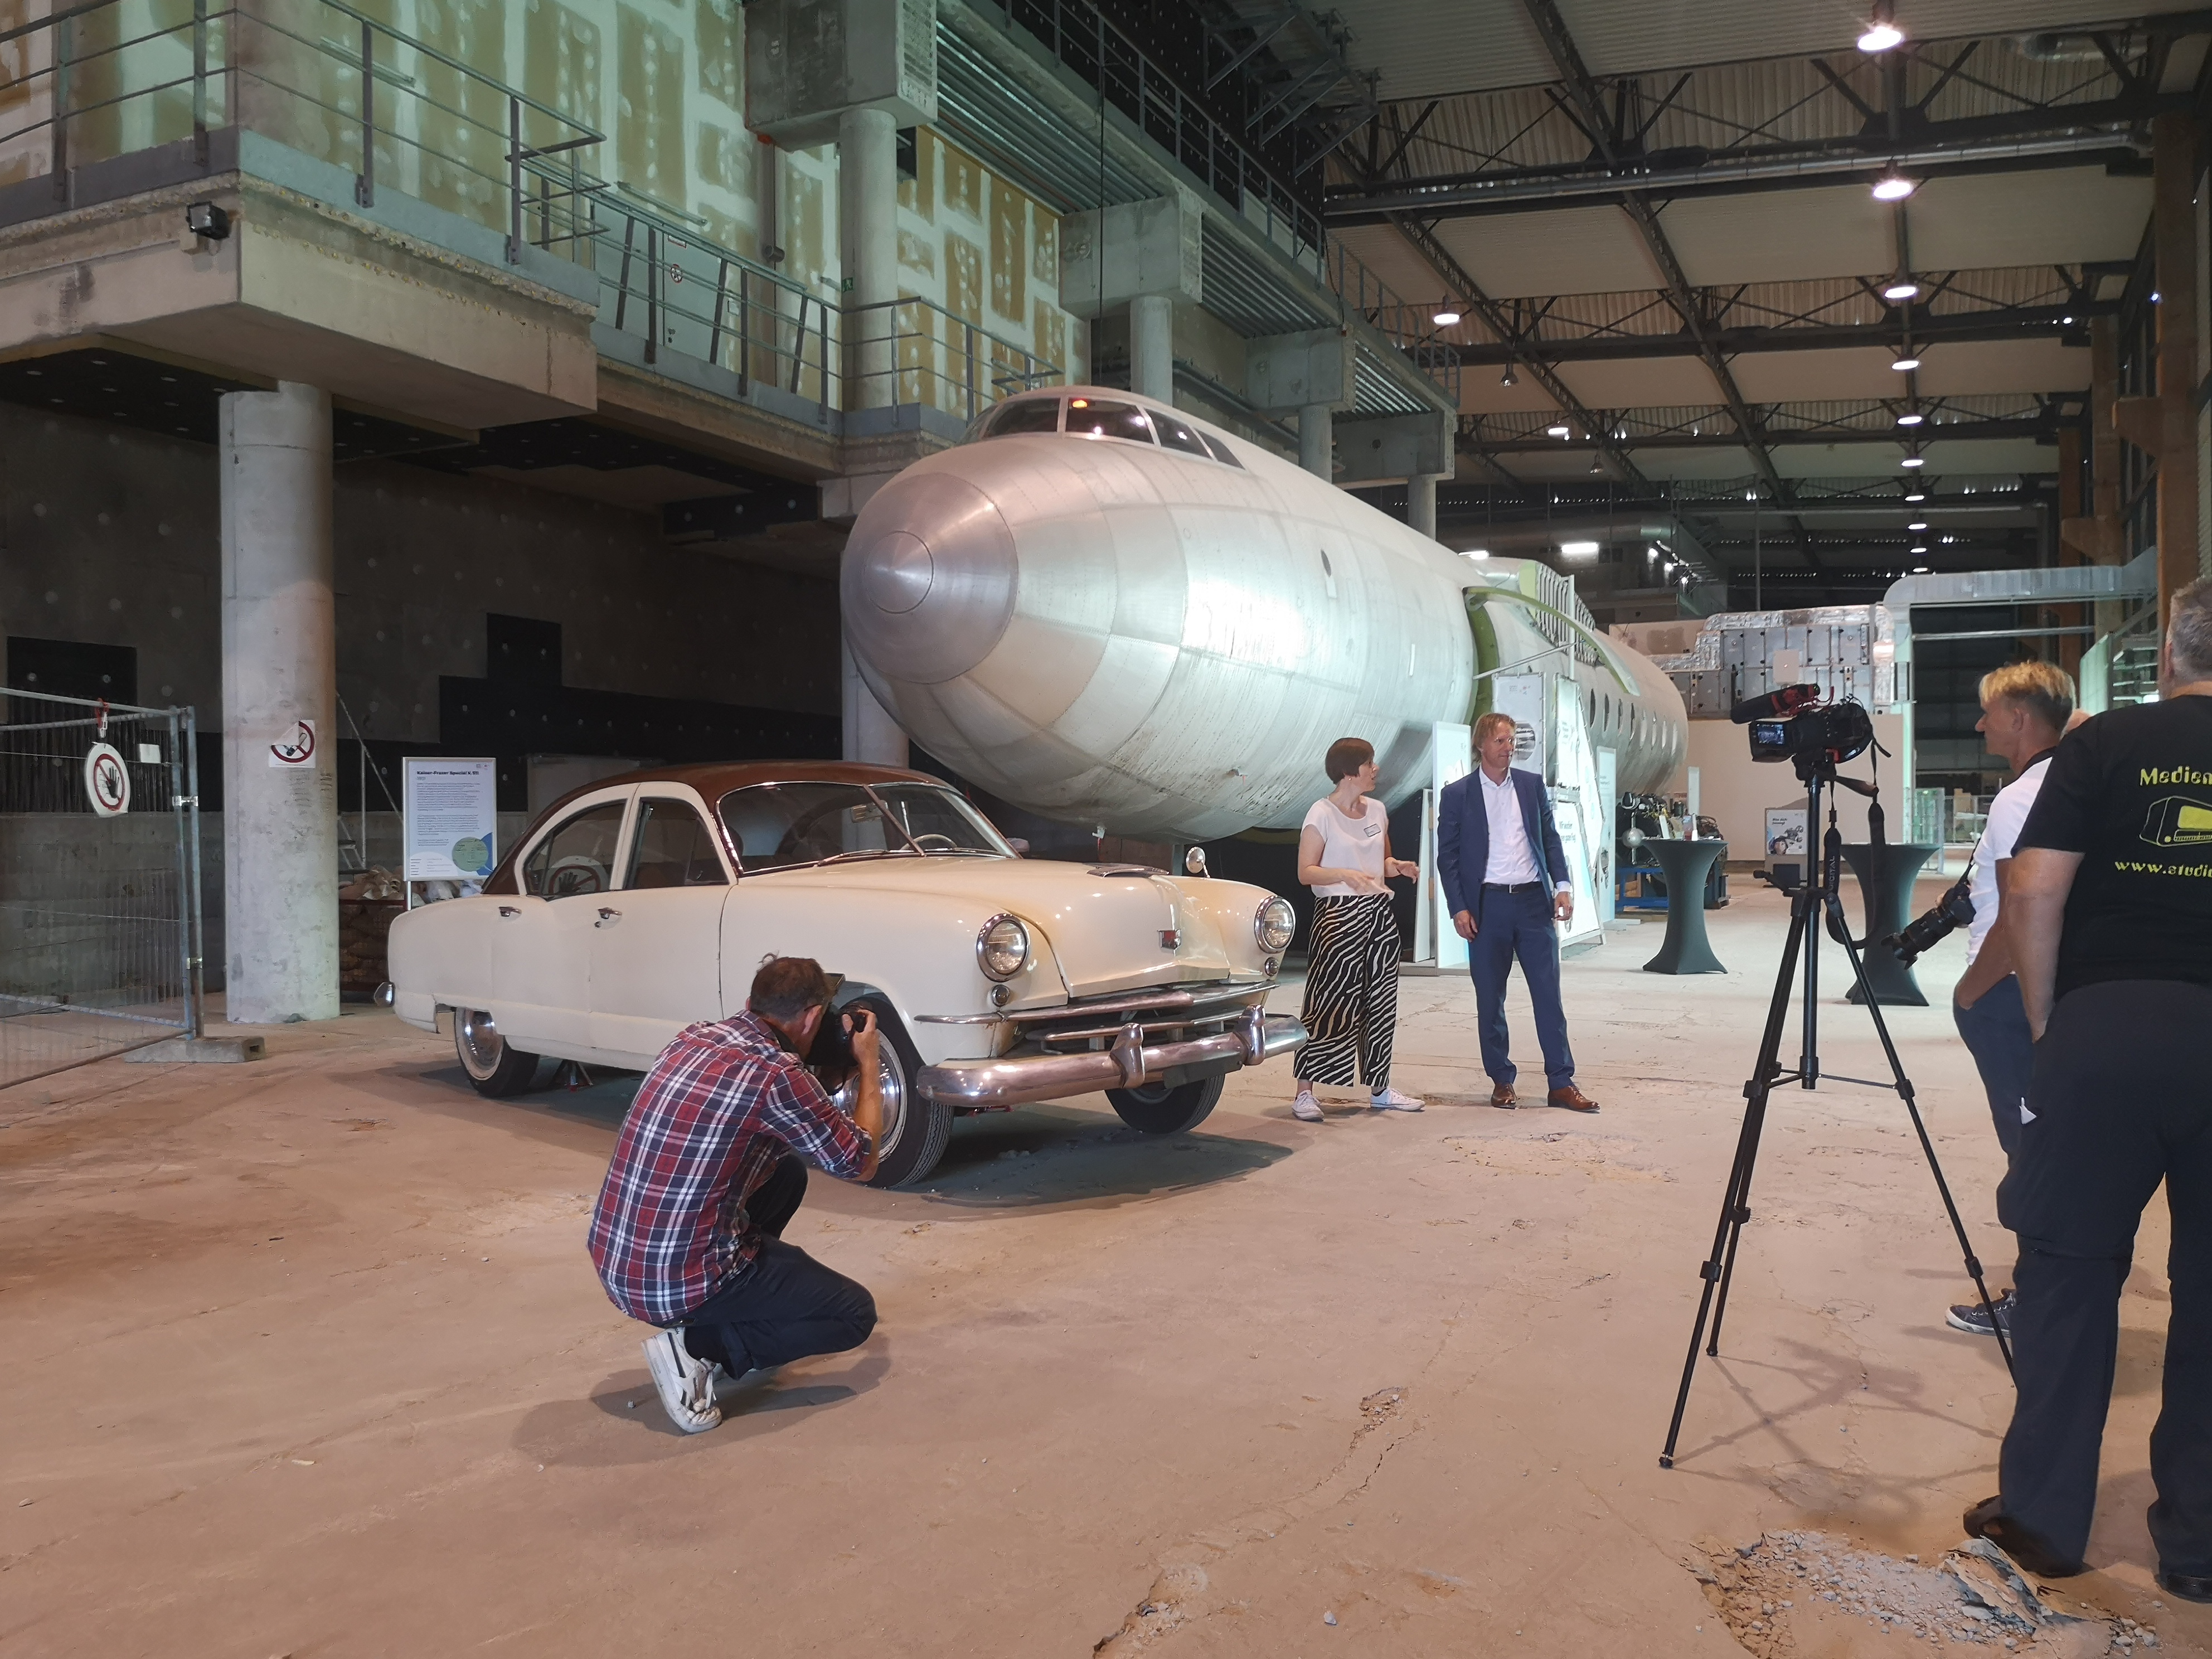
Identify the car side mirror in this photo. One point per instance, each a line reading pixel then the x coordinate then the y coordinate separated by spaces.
pixel 1195 861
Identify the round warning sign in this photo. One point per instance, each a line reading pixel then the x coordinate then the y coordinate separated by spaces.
pixel 107 780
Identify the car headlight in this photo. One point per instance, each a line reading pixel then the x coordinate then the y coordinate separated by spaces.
pixel 1002 949
pixel 1275 925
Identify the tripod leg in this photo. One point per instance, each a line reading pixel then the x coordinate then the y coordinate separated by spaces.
pixel 1733 1210
pixel 1904 1085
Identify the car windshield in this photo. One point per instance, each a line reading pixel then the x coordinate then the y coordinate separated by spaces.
pixel 781 826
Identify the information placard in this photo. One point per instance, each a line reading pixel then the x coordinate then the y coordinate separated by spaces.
pixel 451 809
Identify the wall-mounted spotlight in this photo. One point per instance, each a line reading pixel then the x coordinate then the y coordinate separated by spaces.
pixel 207 221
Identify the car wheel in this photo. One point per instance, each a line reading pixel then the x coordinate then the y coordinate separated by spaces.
pixel 1160 1109
pixel 915 1126
pixel 495 1066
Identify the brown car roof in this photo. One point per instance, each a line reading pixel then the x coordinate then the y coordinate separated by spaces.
pixel 712 779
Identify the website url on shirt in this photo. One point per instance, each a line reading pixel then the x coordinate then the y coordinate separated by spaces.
pixel 2128 867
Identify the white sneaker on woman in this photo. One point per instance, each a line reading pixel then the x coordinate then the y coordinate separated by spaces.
pixel 1389 1100
pixel 1305 1108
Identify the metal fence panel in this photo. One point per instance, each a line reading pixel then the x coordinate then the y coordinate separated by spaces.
pixel 99 881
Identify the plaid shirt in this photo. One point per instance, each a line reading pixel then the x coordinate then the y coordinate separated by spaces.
pixel 721 1106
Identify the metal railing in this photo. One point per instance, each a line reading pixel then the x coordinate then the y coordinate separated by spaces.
pixel 100 930
pixel 1078 35
pixel 316 74
pixel 681 291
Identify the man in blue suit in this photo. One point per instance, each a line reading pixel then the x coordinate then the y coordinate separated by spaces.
pixel 1505 884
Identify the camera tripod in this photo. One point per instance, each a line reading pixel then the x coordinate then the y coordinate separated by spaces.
pixel 1820 897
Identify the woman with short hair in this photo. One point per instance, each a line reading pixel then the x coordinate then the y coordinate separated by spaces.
pixel 1352 971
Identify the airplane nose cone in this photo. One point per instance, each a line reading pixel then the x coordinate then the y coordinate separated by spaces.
pixel 929 576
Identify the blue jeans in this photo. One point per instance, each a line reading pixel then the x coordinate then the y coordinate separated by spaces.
pixel 1995 1031
pixel 1509 925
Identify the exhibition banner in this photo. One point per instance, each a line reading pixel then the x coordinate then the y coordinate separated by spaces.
pixel 1451 757
pixel 1585 823
pixel 450 811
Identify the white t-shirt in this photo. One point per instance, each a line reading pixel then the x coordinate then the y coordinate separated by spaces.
pixel 2007 813
pixel 1347 844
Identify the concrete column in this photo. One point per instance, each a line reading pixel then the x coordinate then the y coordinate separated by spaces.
pixel 1421 503
pixel 279 690
pixel 868 220
pixel 1151 347
pixel 1316 441
pixel 871 734
pixel 2173 236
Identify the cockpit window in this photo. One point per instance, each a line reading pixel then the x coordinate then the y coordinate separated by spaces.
pixel 1174 434
pixel 1220 452
pixel 1022 415
pixel 1096 417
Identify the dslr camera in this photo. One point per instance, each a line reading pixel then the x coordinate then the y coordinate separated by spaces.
pixel 1952 912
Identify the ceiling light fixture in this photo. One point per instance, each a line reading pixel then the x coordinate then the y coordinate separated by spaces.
pixel 1916 495
pixel 1919 569
pixel 1509 378
pixel 1478 552
pixel 1905 365
pixel 1596 465
pixel 1559 431
pixel 1910 418
pixel 1918 550
pixel 1894 187
pixel 1445 317
pixel 1912 460
pixel 1902 289
pixel 1882 31
pixel 1578 549
pixel 1918 526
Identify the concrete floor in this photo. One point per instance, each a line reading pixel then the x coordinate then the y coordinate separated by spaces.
pixel 306 1358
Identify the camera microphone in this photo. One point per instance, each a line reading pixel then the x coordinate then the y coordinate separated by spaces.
pixel 1775 705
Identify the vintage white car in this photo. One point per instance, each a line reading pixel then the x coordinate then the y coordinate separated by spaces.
pixel 643 903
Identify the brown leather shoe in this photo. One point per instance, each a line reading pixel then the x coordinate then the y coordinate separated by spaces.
pixel 1571 1097
pixel 1502 1096
pixel 1987 1519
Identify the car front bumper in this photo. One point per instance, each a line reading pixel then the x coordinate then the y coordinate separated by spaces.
pixel 1129 1063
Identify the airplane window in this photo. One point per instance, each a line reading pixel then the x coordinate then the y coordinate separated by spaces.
pixel 1220 450
pixel 1174 434
pixel 1023 415
pixel 1098 417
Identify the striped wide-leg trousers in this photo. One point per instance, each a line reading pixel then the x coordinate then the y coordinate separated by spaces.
pixel 1352 990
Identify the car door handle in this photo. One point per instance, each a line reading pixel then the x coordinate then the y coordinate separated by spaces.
pixel 606 915
pixel 508 910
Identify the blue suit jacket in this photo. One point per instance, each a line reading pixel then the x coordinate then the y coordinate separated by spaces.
pixel 1463 838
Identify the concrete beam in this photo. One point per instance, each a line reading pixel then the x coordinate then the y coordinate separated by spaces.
pixel 1384 449
pixel 809 64
pixel 1130 251
pixel 1284 372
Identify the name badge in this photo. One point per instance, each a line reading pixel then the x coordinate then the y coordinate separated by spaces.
pixel 1374 829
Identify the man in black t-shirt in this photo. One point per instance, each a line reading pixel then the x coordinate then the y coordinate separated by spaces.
pixel 2111 907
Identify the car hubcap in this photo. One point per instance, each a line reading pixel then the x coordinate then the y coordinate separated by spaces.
pixel 890 1082
pixel 479 1042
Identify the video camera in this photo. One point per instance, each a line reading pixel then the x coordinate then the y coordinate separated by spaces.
pixel 1794 724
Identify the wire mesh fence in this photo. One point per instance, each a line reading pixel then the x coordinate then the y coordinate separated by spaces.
pixel 99 911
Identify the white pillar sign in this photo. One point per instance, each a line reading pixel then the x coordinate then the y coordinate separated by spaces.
pixel 451 809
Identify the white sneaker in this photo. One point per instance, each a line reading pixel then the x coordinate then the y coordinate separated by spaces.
pixel 686 1386
pixel 1305 1108
pixel 1391 1101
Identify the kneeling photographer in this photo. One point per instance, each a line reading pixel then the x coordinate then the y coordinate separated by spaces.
pixel 2109 910
pixel 2025 707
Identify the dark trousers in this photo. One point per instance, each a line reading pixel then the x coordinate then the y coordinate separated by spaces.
pixel 1509 925
pixel 1351 1010
pixel 785 1305
pixel 2120 1099
pixel 1995 1031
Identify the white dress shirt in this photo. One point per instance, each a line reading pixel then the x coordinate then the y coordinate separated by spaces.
pixel 1512 861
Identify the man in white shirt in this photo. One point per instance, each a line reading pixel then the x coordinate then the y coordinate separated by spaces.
pixel 2025 710
pixel 1504 876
